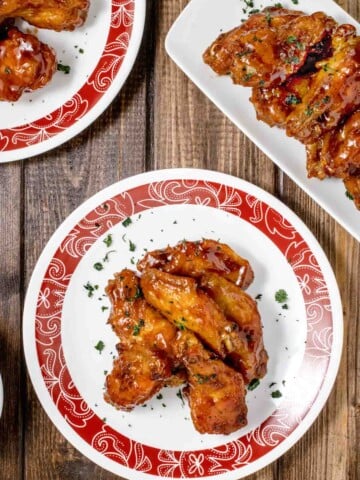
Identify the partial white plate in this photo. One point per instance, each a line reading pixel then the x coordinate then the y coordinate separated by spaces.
pixel 196 28
pixel 100 54
pixel 63 324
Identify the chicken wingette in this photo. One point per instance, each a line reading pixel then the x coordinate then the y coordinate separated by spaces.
pixel 145 362
pixel 194 259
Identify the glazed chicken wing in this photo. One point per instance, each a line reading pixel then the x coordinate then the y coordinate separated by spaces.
pixel 270 46
pixel 216 392
pixel 52 14
pixel 146 360
pixel 240 308
pixel 188 307
pixel 334 91
pixel 352 185
pixel 194 259
pixel 25 64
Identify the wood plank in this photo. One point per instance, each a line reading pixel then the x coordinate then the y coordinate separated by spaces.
pixel 11 422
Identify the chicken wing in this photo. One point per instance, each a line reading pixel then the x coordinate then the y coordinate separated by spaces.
pixel 188 307
pixel 270 46
pixel 52 14
pixel 240 308
pixel 334 91
pixel 352 185
pixel 194 259
pixel 25 64
pixel 146 361
pixel 216 392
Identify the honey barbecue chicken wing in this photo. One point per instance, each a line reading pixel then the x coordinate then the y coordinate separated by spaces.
pixel 52 14
pixel 270 46
pixel 188 307
pixel 240 308
pixel 216 392
pixel 145 362
pixel 194 259
pixel 25 64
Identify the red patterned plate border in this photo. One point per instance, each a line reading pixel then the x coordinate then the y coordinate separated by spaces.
pixel 47 290
pixel 103 83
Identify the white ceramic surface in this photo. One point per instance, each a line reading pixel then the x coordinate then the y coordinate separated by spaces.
pixel 100 54
pixel 63 324
pixel 196 28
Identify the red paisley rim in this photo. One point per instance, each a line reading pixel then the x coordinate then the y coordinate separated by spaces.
pixel 83 420
pixel 99 81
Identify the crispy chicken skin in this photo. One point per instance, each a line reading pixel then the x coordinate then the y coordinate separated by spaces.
pixel 51 14
pixel 146 360
pixel 334 90
pixel 240 308
pixel 337 153
pixel 216 392
pixel 269 47
pixel 186 305
pixel 352 185
pixel 194 259
pixel 25 64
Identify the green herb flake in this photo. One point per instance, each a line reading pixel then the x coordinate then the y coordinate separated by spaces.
pixel 132 246
pixel 98 266
pixel 7 70
pixel 309 111
pixel 127 222
pixel 90 289
pixel 104 308
pixel 281 296
pixel 291 39
pixel 63 68
pixel 278 5
pixel 138 327
pixel 100 346
pixel 159 396
pixel 285 306
pixel 106 258
pixel 292 99
pixel 255 382
pixel 326 99
pixel 258 296
pixel 248 76
pixel 349 196
pixel 201 379
pixel 276 394
pixel 108 240
pixel 295 2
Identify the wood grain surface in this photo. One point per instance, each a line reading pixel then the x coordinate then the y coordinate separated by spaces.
pixel 159 120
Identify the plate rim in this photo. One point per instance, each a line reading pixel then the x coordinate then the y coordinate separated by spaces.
pixel 101 105
pixel 313 195
pixel 178 174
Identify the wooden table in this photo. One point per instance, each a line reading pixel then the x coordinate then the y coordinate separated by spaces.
pixel 159 120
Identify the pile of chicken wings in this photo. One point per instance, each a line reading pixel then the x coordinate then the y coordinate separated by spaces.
pixel 184 318
pixel 25 62
pixel 304 71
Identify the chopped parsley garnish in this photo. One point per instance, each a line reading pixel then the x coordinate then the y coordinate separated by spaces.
pixel 204 378
pixel 255 382
pixel 100 346
pixel 326 99
pixel 90 289
pixel 248 76
pixel 181 323
pixel 108 240
pixel 281 296
pixel 291 39
pixel 292 99
pixel 276 394
pixel 244 52
pixel 7 70
pixel 132 246
pixel 103 308
pixel 98 266
pixel 159 397
pixel 138 327
pixel 285 306
pixel 258 297
pixel 268 18
pixel 278 5
pixel 348 194
pixel 295 2
pixel 106 258
pixel 64 68
pixel 293 60
pixel 309 111
pixel 127 222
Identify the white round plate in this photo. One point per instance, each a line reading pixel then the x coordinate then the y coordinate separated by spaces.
pixel 100 54
pixel 64 320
